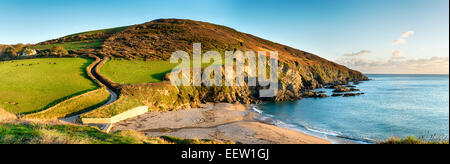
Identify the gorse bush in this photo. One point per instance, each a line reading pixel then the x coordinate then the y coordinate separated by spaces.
pixel 414 140
pixel 58 51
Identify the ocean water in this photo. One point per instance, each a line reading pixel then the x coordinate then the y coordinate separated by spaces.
pixel 393 106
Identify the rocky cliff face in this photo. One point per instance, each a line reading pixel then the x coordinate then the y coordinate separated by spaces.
pixel 298 70
pixel 293 82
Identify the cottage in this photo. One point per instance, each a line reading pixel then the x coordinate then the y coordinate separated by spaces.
pixel 29 52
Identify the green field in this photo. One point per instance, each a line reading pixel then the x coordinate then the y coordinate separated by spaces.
pixel 36 84
pixel 87 44
pixel 136 71
pixel 74 106
pixel 109 30
pixel 123 104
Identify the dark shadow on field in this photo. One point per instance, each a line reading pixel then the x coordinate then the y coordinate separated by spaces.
pixel 84 71
pixel 88 108
pixel 160 76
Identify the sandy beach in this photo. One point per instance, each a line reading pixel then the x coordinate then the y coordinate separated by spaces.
pixel 224 122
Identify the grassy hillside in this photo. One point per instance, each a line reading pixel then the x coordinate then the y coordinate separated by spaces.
pixel 126 72
pixel 102 31
pixel 74 45
pixel 148 46
pixel 80 41
pixel 35 84
pixel 157 40
pixel 136 71
pixel 74 106
pixel 31 133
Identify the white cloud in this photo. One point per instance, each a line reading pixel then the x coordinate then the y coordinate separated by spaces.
pixel 399 41
pixel 423 49
pixel 398 63
pixel 360 53
pixel 408 33
pixel 398 54
pixel 433 65
pixel 402 40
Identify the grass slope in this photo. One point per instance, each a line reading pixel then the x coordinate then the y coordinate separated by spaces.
pixel 123 104
pixel 76 45
pixel 74 106
pixel 35 84
pixel 80 41
pixel 158 39
pixel 31 133
pixel 136 71
pixel 108 30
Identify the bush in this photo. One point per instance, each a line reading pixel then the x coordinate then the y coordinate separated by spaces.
pixel 11 51
pixel 414 140
pixel 59 51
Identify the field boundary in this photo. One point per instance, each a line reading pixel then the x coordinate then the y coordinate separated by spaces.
pixel 117 118
pixel 91 66
pixel 88 72
pixel 30 116
pixel 109 83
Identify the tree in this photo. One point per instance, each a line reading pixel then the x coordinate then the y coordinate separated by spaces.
pixel 19 47
pixel 11 51
pixel 59 51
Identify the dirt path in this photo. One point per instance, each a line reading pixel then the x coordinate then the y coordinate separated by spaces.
pixel 113 97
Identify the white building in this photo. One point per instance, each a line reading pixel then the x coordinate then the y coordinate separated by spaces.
pixel 29 52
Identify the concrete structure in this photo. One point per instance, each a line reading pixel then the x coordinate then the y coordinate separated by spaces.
pixel 29 52
pixel 117 118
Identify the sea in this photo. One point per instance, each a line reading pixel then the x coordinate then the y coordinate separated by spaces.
pixel 392 106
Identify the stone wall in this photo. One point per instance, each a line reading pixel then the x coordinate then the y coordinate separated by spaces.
pixel 117 118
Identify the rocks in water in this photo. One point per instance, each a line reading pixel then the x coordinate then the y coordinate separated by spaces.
pixel 342 90
pixel 352 94
pixel 356 82
pixel 347 94
pixel 308 94
pixel 337 94
pixel 322 96
pixel 345 89
pixel 319 94
pixel 333 86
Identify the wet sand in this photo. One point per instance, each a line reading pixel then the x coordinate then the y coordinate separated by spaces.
pixel 223 122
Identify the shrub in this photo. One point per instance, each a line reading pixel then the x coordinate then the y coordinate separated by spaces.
pixel 59 51
pixel 11 51
pixel 414 140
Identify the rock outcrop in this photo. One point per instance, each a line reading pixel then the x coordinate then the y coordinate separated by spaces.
pixel 299 71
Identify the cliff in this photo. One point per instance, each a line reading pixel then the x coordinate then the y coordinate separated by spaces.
pixel 157 40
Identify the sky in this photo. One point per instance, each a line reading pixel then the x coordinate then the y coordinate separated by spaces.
pixel 372 36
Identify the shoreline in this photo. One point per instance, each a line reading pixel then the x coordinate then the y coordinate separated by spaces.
pixel 223 122
pixel 333 138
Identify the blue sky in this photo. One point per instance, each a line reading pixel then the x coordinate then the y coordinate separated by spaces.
pixel 356 33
